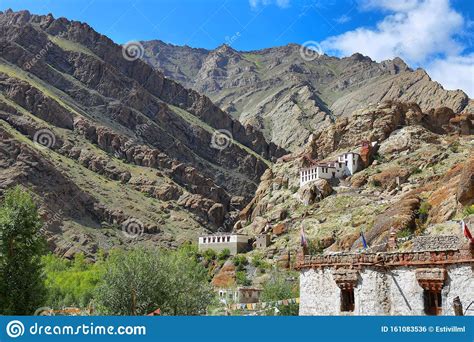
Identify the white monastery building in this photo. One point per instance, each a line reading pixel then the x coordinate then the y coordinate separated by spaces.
pixel 346 165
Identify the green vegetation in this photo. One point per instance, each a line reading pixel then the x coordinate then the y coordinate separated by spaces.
pixel 282 286
pixel 209 255
pixel 469 210
pixel 404 233
pixel 424 210
pixel 258 262
pixel 241 278
pixel 22 288
pixel 224 254
pixel 240 261
pixel 315 247
pixel 142 280
pixel 71 283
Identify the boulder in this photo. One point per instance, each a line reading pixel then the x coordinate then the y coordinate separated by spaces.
pixel 314 192
pixel 465 190
pixel 390 178
pixel 279 229
pixel 216 214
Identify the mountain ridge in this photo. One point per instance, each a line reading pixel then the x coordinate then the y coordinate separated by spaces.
pixel 276 87
pixel 134 144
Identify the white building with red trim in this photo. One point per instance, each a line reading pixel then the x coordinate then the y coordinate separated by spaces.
pixel 346 165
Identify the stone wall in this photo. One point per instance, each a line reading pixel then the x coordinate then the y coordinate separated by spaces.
pixel 436 243
pixel 382 291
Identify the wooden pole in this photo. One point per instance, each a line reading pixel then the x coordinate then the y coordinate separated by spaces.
pixel 457 306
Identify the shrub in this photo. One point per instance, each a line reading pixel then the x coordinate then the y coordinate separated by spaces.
pixel 241 278
pixel 315 247
pixel 240 261
pixel 209 254
pixel 224 254
pixel 469 210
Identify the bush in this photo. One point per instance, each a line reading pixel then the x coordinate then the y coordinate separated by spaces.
pixel 469 210
pixel 71 283
pixel 423 211
pixel 224 254
pixel 240 261
pixel 209 254
pixel 241 278
pixel 404 233
pixel 279 287
pixel 375 183
pixel 141 280
pixel 315 247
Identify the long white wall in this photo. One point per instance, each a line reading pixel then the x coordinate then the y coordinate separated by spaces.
pixel 396 292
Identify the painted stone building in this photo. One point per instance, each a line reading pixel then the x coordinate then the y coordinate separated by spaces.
pixel 392 283
pixel 235 243
pixel 346 165
pixel 241 295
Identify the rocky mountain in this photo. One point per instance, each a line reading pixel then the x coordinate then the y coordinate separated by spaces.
pixel 419 180
pixel 288 92
pixel 114 151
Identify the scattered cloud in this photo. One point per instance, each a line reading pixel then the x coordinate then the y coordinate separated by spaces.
pixel 422 32
pixel 342 19
pixel 254 4
pixel 455 72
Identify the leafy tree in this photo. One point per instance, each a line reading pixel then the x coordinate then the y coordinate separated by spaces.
pixel 22 288
pixel 186 287
pixel 71 283
pixel 281 286
pixel 141 280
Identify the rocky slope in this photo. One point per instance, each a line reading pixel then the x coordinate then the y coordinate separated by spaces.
pixel 284 90
pixel 419 180
pixel 106 143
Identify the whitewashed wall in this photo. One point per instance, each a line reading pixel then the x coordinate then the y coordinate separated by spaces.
pixel 393 293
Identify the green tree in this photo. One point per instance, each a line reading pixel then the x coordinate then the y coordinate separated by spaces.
pixel 71 283
pixel 141 280
pixel 186 287
pixel 22 288
pixel 282 286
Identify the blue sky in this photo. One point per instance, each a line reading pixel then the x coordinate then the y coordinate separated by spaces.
pixel 437 35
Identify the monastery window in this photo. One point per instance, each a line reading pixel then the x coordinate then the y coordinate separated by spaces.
pixel 204 240
pixel 213 239
pixel 228 239
pixel 432 302
pixel 347 300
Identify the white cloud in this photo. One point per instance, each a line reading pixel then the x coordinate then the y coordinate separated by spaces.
pixel 422 32
pixel 454 73
pixel 254 4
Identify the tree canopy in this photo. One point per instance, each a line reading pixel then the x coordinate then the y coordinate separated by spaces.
pixel 22 288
